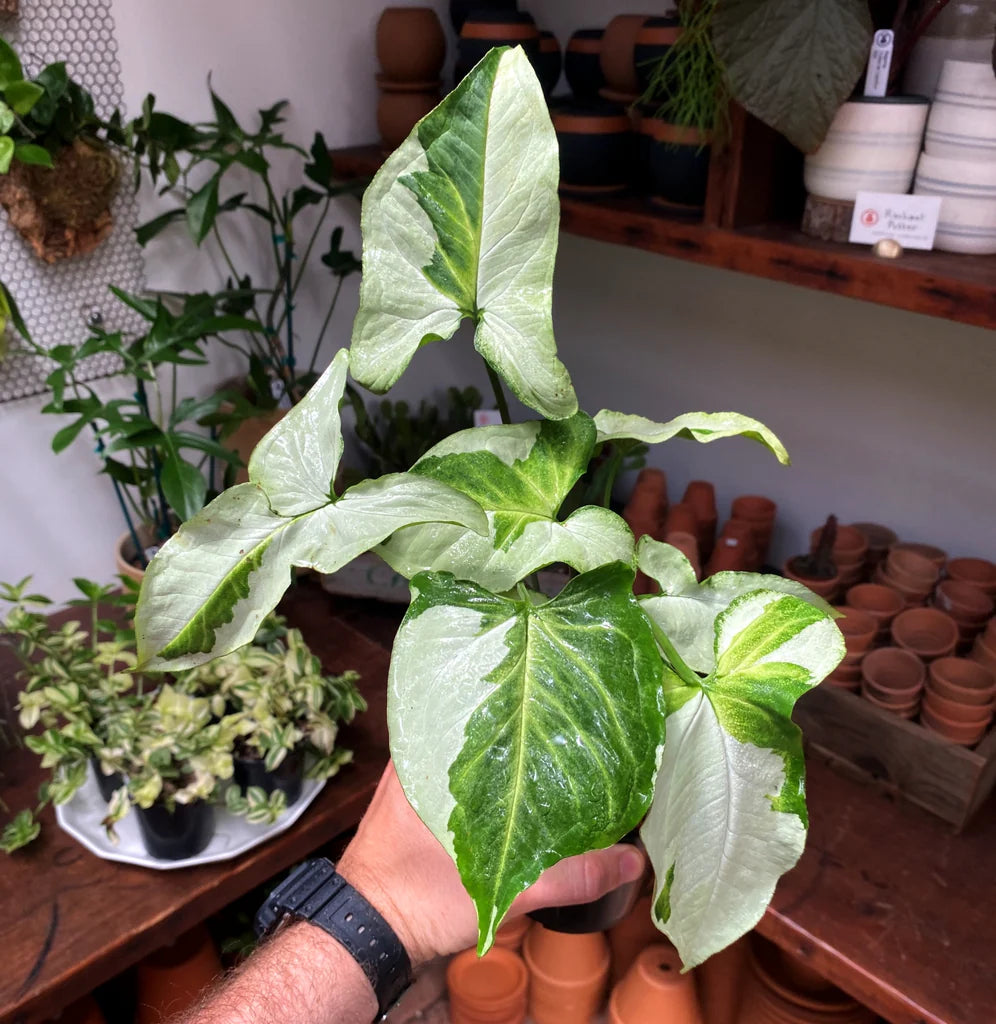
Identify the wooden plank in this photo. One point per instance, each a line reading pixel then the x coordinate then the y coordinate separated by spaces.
pixel 71 921
pixel 947 285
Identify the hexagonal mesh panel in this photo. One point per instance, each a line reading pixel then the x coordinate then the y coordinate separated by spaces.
pixel 56 299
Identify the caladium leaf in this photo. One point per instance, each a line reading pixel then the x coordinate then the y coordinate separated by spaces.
pixel 519 475
pixel 793 64
pixel 686 610
pixel 729 812
pixel 462 221
pixel 211 585
pixel 693 426
pixel 522 732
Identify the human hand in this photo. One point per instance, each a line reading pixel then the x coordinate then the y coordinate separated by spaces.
pixel 401 868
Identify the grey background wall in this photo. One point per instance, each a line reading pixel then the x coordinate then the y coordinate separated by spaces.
pixel 888 415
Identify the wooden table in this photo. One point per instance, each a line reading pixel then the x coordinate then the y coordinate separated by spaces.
pixel 885 902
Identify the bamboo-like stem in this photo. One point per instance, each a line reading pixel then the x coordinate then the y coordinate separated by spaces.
pixel 499 393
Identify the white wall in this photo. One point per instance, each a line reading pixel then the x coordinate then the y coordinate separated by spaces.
pixel 888 415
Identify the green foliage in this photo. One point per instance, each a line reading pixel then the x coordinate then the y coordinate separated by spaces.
pixel 524 728
pixel 23 829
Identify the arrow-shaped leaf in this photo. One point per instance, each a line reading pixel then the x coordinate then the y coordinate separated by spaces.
pixel 462 221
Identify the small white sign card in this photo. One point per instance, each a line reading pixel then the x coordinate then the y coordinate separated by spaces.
pixel 909 220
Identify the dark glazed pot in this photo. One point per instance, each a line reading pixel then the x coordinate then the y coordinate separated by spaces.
pixel 583 64
pixel 596 149
pixel 483 30
pixel 676 164
pixel 107 784
pixel 288 776
pixel 655 38
pixel 599 915
pixel 548 62
pixel 175 836
pixel 459 9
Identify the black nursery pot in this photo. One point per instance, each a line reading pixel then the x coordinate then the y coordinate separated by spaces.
pixel 107 784
pixel 175 836
pixel 675 163
pixel 653 41
pixel 547 62
pixel 459 9
pixel 600 914
pixel 288 776
pixel 596 149
pixel 583 64
pixel 484 30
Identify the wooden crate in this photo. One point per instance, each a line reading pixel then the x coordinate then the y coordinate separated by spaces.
pixel 902 757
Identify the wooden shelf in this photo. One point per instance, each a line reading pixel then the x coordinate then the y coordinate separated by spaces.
pixel 947 285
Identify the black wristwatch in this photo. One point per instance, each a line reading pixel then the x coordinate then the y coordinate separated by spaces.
pixel 314 892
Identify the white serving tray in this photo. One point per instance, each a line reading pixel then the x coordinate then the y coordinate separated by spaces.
pixel 81 818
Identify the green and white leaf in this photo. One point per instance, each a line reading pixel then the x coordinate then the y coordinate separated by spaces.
pixel 793 64
pixel 686 610
pixel 693 426
pixel 522 732
pixel 729 813
pixel 462 221
pixel 520 475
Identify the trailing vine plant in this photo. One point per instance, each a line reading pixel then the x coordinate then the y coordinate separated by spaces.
pixel 524 728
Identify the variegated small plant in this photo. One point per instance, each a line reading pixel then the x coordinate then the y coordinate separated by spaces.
pixel 524 728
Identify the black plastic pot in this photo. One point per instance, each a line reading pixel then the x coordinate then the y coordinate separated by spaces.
pixel 459 9
pixel 179 834
pixel 484 30
pixel 583 64
pixel 288 776
pixel 675 162
pixel 107 784
pixel 548 62
pixel 596 148
pixel 653 41
pixel 600 914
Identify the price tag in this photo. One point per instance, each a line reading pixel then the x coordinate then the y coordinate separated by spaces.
pixel 487 418
pixel 909 220
pixel 877 76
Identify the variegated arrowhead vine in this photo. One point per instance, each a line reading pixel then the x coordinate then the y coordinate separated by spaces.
pixel 524 729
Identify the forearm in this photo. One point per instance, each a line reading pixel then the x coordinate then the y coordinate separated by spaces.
pixel 300 976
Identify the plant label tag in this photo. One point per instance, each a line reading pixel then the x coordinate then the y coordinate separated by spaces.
pixel 879 62
pixel 909 220
pixel 487 418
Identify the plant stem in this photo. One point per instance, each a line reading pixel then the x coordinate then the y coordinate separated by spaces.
pixel 499 393
pixel 615 463
pixel 674 658
pixel 325 324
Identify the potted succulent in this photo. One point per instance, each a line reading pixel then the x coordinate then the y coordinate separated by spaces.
pixel 57 171
pixel 524 728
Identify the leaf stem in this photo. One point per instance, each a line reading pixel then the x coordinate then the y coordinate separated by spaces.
pixel 677 663
pixel 499 393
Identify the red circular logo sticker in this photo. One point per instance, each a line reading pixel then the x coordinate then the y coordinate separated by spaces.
pixel 869 218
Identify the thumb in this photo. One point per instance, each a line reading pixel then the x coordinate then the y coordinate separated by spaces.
pixel 584 878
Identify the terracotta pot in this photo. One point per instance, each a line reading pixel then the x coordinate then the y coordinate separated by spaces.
pixel 760 513
pixel 617 56
pixel 882 603
pixel 510 936
pixel 911 570
pixel 979 572
pixel 963 602
pixel 880 538
pixel 908 711
pixel 701 495
pixel 720 982
pixel 399 112
pixel 654 989
pixel 894 670
pixel 568 974
pixel 928 551
pixel 488 989
pixel 681 517
pixel 173 979
pixel 963 681
pixel 927 632
pixel 827 588
pixel 688 545
pixel 849 548
pixel 955 711
pixel 632 934
pixel 847 677
pixel 734 551
pixel 411 46
pixel 647 506
pixel 964 734
pixel 483 30
pixel 583 64
pixel 983 654
pixel 596 147
pixel 548 62
pixel 912 598
pixel 125 556
pixel 859 629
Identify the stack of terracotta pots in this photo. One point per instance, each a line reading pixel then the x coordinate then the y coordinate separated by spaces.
pixel 735 550
pixel 977 572
pixel 928 632
pixel 618 58
pixel 175 978
pixel 969 607
pixel 850 551
pixel 879 538
pixel 892 679
pixel 646 513
pixel 568 974
pixel 782 990
pixel 860 630
pixel 910 572
pixel 701 496
pixel 984 649
pixel 488 990
pixel 959 698
pixel 882 603
pixel 759 514
pixel 655 989
pixel 411 48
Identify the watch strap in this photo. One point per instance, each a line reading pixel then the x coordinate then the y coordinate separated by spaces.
pixel 315 892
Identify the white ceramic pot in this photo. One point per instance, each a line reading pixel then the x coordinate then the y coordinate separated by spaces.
pixel 963 118
pixel 872 146
pixel 951 176
pixel 967 225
